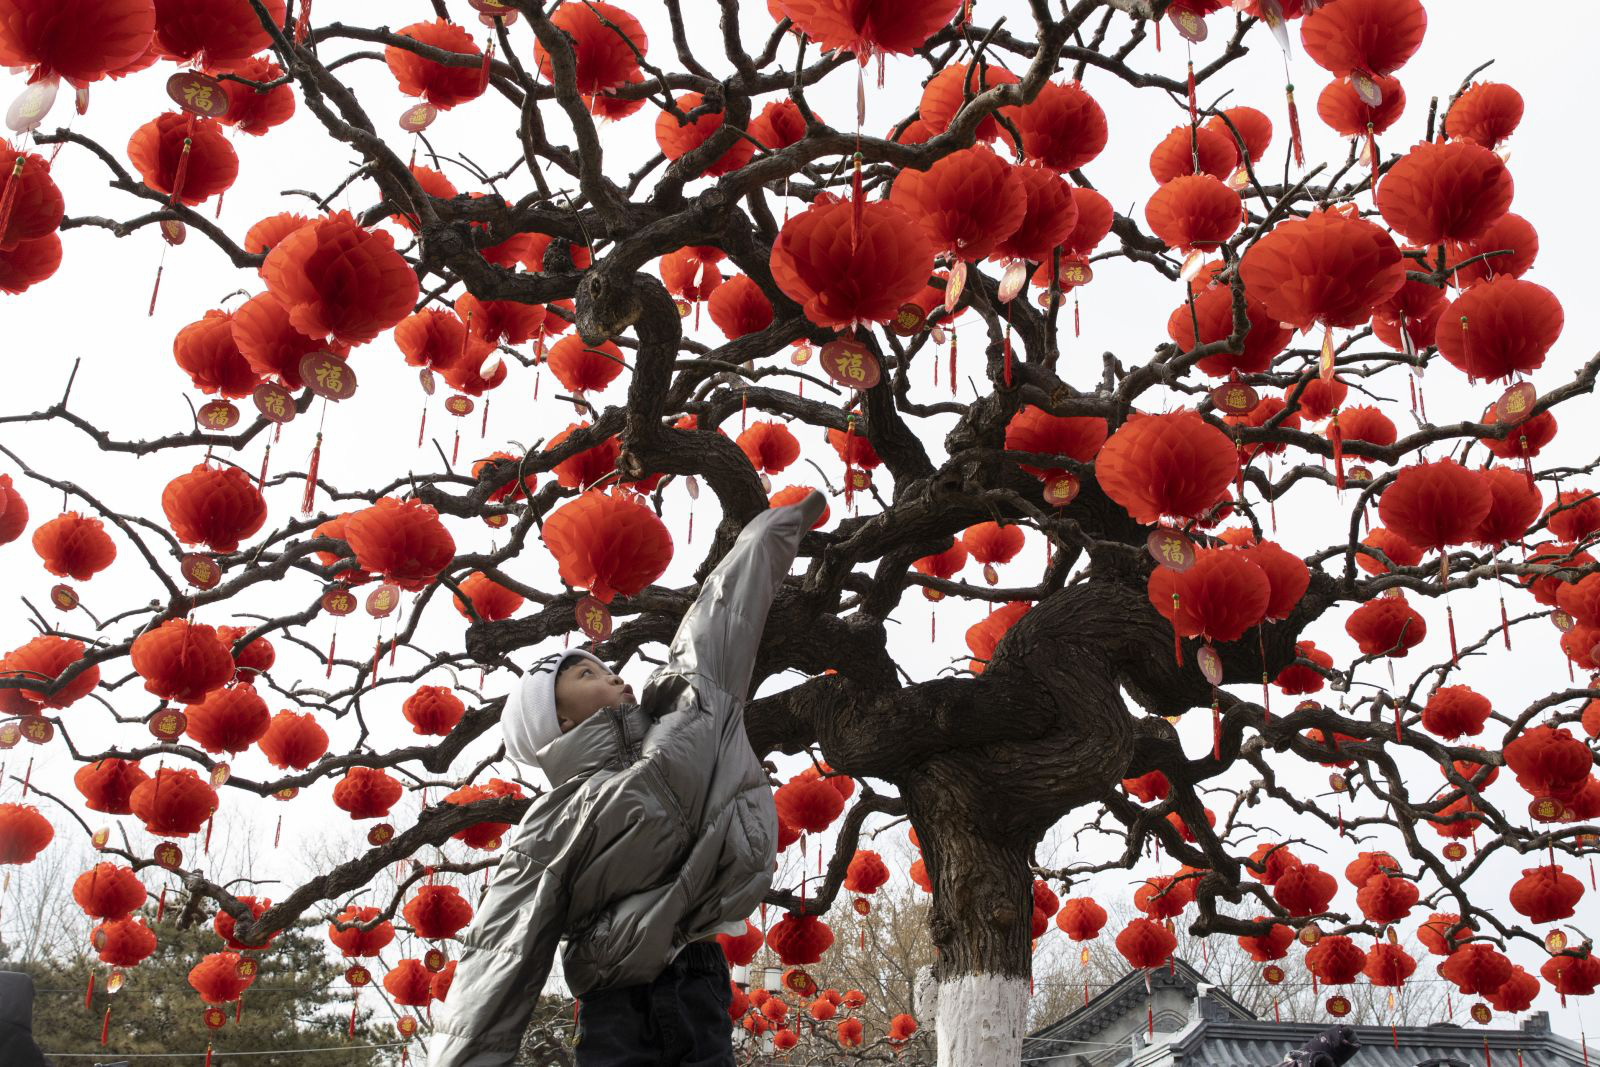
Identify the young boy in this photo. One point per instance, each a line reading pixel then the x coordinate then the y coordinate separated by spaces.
pixel 658 832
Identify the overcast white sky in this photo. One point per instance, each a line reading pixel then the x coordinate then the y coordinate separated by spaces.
pixel 94 311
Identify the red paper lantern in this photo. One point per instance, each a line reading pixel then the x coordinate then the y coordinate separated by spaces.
pixel 1319 398
pixel 944 564
pixel 1455 710
pixel 337 278
pixel 1476 968
pixel 1545 894
pixel 769 446
pixel 968 202
pixel 433 709
pixel 107 891
pixel 366 793
pixel 123 942
pixel 608 544
pixel 1305 889
pixel 1401 553
pixel 1175 155
pixel 1516 994
pixel 1433 930
pixel 266 340
pixel 1173 464
pixel 173 803
pixel 918 872
pixel 1388 965
pixel 944 95
pixel 740 949
pixel 985 634
pixel 799 939
pixel 1298 679
pixel 252 659
pixel 793 494
pixel 1435 505
pixel 1145 943
pixel 868 27
pixel 1343 109
pixel 1509 233
pixel 582 368
pixel 24 833
pixel 108 784
pixel 584 469
pixel 1081 918
pixel 496 321
pixel 677 140
pixel 13 511
pixel 1329 267
pixel 901 1027
pixel 437 912
pixel 1364 36
pixel 1220 597
pixel 1193 212
pixel 440 85
pixel 293 742
pixel 1272 945
pixel 1387 626
pixel 991 543
pixel 43 659
pixel 208 353
pixel 1164 896
pixel 1571 976
pixel 225 924
pixel 214 506
pixel 1416 307
pixel 1049 218
pixel 1548 761
pixel 354 941
pixel 1148 788
pixel 182 661
pixel 689 275
pixel 606 42
pixel 1574 516
pixel 1032 429
pixel 217 978
pixel 491 601
pixel 779 125
pixel 866 873
pixel 36 204
pixel 483 835
pixel 739 307
pixel 1500 327
pixel 1254 128
pixel 79 40
pixel 208 168
pixel 252 111
pixel 228 720
pixel 403 541
pixel 850 1030
pixel 1213 309
pixel 410 984
pixel 220 33
pixel 1438 192
pixel 1385 899
pixel 439 340
pixel 810 805
pixel 264 236
pixel 1485 114
pixel 1287 577
pixel 1335 960
pixel 72 546
pixel 839 281
pixel 28 263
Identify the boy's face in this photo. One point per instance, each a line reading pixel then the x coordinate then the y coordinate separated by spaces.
pixel 584 688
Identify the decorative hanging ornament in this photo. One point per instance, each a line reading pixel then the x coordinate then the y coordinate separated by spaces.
pixel 1170 548
pixel 200 571
pixel 594 618
pixel 218 415
pixel 198 94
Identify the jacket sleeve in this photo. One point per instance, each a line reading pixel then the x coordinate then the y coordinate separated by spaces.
pixel 509 948
pixel 717 641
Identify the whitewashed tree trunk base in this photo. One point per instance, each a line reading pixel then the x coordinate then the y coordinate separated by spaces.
pixel 981 1020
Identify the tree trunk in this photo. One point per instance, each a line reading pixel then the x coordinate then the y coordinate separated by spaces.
pixel 980 924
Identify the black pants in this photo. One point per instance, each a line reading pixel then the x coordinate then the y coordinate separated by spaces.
pixel 678 1020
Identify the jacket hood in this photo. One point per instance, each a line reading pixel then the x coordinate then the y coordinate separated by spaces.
pixel 16 999
pixel 595 742
pixel 529 718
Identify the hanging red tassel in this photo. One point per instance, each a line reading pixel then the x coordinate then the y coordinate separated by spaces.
pixel 88 994
pixel 207 848
pixel 8 199
pixel 1177 642
pixel 744 410
pixel 1294 127
pixel 483 71
pixel 183 163
pixel 1076 331
pixel 1008 349
pixel 377 646
pixel 238 1007
pixel 1150 1019
pixel 1216 727
pixel 423 424
pixel 161 904
pixel 1336 438
pixel 952 359
pixel 857 201
pixel 483 426
pixel 1397 737
pixel 1158 34
pixel 303 27
pixel 155 290
pixel 105 1025
pixel 307 500
pixel 351 1032
pixel 1194 108
pixel 1372 150
pixel 1449 614
pixel 333 642
pixel 261 479
pixel 208 1054
pixel 278 832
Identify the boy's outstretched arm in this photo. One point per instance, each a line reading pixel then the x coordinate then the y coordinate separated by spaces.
pixel 717 640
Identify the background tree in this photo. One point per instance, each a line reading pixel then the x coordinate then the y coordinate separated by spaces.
pixel 1113 664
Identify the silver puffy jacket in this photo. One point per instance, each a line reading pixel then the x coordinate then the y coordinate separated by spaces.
pixel 658 826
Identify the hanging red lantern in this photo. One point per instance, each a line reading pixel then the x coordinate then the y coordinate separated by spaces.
pixel 1298 679
pixel 1509 233
pixel 219 979
pixel 108 891
pixel 403 541
pixel 1081 918
pixel 440 85
pixel 1486 114
pixel 123 942
pixel 1574 515
pixel 944 95
pixel 1387 626
pixel 1164 896
pixel 433 709
pixel 866 873
pixel 24 833
pixel 1148 788
pixel 587 468
pixel 491 601
pixel 293 741
pixel 219 33
pixel 354 941
pixel 1516 993
pixel 739 307
pixel 606 45
pixel 1548 761
pixel 607 544
pixel 79 40
pixel 1254 129
pixel 808 804
pixel 799 939
pixel 1500 327
pixel 252 111
pixel 1515 505
pixel 1545 894
pixel 173 803
pixel 1388 965
pixel 1401 553
pixel 43 659
pixel 257 656
pixel 1172 464
pixel 1386 899
pixel 869 27
pixel 213 506
pixel 366 793
pixel 1435 505
pixel 583 368
pixel 35 204
pixel 437 912
pixel 1223 594
pixel 1305 889
pixel 842 280
pixel 1193 213
pixel 677 140
pixel 1438 192
pixel 500 321
pixel 1272 945
pixel 225 924
pixel 108 784
pixel 1032 429
pixel 13 511
pixel 266 340
pixel 1476 968
pixel 1287 577
pixel 740 949
pixel 944 564
pixel 967 202
pixel 185 153
pixel 72 546
pixel 854 449
pixel 440 341
pixel 779 125
pixel 1319 398
pixel 1175 155
pixel 1341 106
pixel 182 661
pixel 1455 710
pixel 769 446
pixel 1329 267
pixel 510 489
pixel 985 634
pixel 228 720
pixel 1416 307
pixel 1572 976
pixel 1049 218
pixel 690 276
pixel 207 352
pixel 264 236
pixel 1366 424
pixel 28 263
pixel 337 278
pixel 992 544
pixel 1264 412
pixel 1371 37
pixel 793 494
pixel 1212 308
pixel 1145 943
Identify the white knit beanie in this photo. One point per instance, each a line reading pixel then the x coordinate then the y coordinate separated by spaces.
pixel 529 719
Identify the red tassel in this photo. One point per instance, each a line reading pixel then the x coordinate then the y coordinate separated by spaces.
pixel 423 425
pixel 744 410
pixel 1397 737
pixel 261 479
pixel 351 1032
pixel 304 25
pixel 483 426
pixel 1275 1017
pixel 1216 728
pixel 88 995
pixel 161 904
pixel 155 290
pixel 1193 107
pixel 1177 642
pixel 1008 352
pixel 238 1007
pixel 105 1025
pixel 1158 35
pixel 8 199
pixel 483 72
pixel 1372 150
pixel 1294 128
pixel 277 832
pixel 306 500
pixel 377 646
pixel 208 1054
pixel 857 201
pixel 207 848
pixel 1086 992
pixel 1336 438
pixel 1150 1018
pixel 333 642
pixel 455 449
pixel 1076 332
pixel 27 776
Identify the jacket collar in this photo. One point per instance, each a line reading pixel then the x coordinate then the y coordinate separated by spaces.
pixel 611 736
